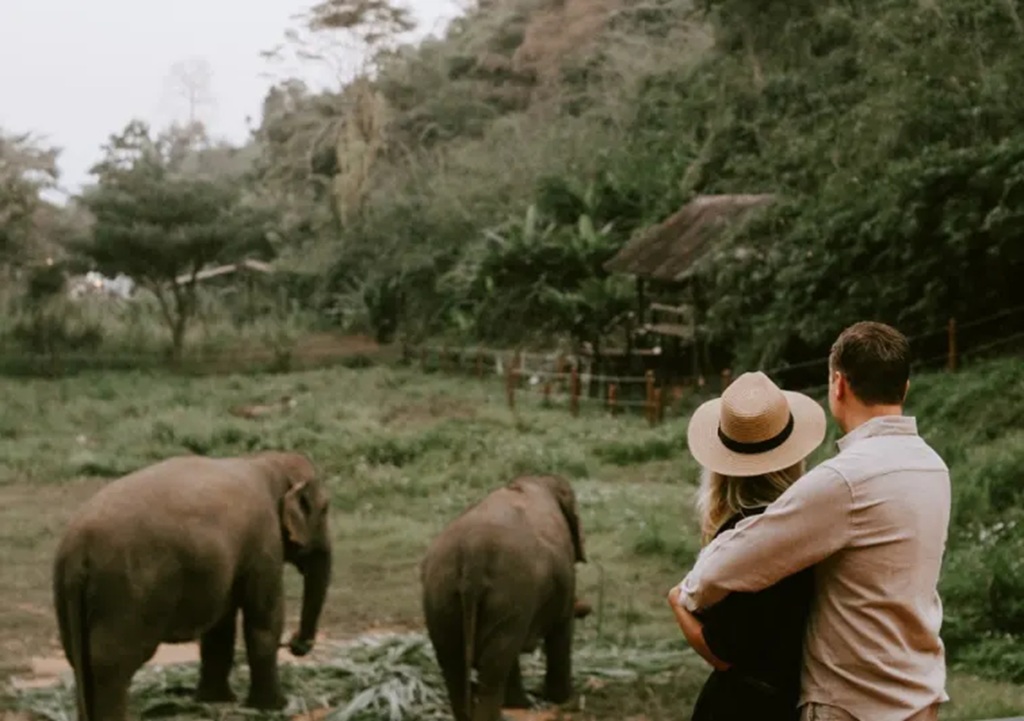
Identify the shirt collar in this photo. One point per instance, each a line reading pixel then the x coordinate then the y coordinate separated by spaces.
pixel 879 426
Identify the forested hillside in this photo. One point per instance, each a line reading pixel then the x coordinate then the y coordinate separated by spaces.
pixel 485 177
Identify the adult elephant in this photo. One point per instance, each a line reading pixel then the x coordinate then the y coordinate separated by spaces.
pixel 171 553
pixel 497 580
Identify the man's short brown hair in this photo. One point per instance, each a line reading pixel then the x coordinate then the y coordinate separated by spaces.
pixel 875 358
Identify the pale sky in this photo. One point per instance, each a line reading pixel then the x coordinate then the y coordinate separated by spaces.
pixel 76 71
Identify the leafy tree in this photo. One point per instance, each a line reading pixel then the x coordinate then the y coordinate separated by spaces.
pixel 162 228
pixel 27 168
pixel 543 275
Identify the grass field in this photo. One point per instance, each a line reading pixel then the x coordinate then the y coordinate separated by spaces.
pixel 403 453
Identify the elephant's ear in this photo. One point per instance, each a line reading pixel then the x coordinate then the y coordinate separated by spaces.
pixel 567 502
pixel 295 513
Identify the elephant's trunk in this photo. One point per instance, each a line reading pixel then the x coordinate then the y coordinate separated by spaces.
pixel 316 577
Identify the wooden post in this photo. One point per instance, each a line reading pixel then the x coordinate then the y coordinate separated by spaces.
pixel 547 393
pixel 613 396
pixel 574 391
pixel 510 385
pixel 677 397
pixel 649 396
pixel 560 370
pixel 951 363
pixel 479 364
pixel 659 405
pixel 726 378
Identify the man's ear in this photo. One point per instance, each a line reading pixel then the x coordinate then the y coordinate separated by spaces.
pixel 839 382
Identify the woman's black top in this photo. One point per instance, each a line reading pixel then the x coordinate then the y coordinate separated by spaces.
pixel 761 636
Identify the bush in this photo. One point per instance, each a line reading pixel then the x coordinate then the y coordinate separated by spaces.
pixel 54 327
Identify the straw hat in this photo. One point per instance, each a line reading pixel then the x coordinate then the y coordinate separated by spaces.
pixel 754 428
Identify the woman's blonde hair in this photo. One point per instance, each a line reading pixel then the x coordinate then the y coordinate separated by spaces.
pixel 720 497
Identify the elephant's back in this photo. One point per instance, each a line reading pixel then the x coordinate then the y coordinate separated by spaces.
pixel 176 513
pixel 176 487
pixel 497 538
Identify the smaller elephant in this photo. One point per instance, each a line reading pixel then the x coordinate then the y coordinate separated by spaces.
pixel 171 553
pixel 499 579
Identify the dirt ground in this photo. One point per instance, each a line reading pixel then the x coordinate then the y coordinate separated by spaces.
pixel 47 670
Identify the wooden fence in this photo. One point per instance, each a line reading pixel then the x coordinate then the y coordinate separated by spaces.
pixel 550 374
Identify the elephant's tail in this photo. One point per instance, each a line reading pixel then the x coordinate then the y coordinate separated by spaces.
pixel 470 605
pixel 72 615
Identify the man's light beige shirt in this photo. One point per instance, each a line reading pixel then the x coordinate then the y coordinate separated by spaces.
pixel 874 519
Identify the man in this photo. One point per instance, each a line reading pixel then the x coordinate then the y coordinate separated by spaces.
pixel 873 521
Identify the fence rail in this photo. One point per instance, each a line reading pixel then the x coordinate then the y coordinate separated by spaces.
pixel 551 374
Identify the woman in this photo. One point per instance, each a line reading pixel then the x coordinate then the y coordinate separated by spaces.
pixel 752 444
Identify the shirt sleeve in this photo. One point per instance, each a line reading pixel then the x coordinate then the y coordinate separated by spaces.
pixel 805 525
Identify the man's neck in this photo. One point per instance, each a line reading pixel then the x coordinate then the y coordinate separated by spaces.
pixel 861 414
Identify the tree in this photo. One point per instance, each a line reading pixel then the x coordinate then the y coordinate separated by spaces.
pixel 27 168
pixel 190 81
pixel 161 228
pixel 334 139
pixel 346 36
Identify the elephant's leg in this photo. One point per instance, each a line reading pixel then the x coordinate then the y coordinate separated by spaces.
pixel 217 655
pixel 455 682
pixel 262 625
pixel 494 666
pixel 447 640
pixel 558 657
pixel 115 654
pixel 515 694
pixel 110 692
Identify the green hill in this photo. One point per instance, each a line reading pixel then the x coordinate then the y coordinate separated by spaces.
pixel 508 160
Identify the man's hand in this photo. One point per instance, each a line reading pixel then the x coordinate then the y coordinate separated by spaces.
pixel 693 630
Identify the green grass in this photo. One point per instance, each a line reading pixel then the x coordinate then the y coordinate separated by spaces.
pixel 403 453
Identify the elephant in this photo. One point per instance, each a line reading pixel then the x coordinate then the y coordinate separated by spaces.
pixel 170 553
pixel 496 581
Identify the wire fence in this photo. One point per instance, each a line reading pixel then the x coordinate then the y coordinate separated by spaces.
pixel 553 378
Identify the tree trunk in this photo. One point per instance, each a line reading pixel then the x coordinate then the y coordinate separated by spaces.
pixel 178 339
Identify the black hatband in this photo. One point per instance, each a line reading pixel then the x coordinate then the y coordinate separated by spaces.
pixel 769 444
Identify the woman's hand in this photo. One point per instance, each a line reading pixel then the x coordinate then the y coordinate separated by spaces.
pixel 693 630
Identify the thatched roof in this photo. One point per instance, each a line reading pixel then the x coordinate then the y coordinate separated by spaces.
pixel 668 250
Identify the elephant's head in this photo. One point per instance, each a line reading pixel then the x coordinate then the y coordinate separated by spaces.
pixel 304 512
pixel 560 488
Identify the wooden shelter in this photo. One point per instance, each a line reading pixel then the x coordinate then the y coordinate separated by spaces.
pixel 235 280
pixel 663 256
